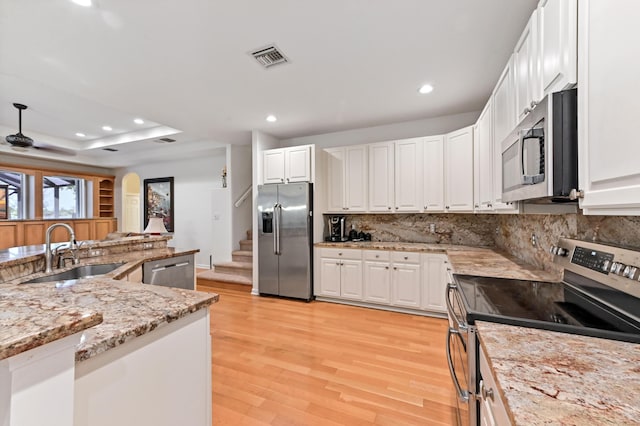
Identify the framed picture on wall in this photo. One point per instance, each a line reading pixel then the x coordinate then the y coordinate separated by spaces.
pixel 158 201
pixel 4 191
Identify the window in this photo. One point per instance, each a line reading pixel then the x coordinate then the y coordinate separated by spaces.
pixel 15 183
pixel 63 197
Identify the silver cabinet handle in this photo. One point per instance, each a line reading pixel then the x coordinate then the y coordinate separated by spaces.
pixel 425 207
pixel 389 208
pixel 386 267
pixel 406 258
pixel 486 393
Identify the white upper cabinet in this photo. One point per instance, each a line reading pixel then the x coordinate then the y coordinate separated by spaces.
pixel 381 177
pixel 483 160
pixel 286 165
pixel 526 67
pixel 504 121
pixel 273 166
pixel 608 107
pixel 408 175
pixel 335 179
pixel 557 24
pixel 458 153
pixel 297 164
pixel 433 172
pixel 347 179
pixel 504 109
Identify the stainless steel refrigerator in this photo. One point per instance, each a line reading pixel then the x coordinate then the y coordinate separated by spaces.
pixel 285 238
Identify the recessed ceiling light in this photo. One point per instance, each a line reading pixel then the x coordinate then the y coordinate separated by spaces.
pixel 80 135
pixel 272 118
pixel 85 3
pixel 427 88
pixel 138 121
pixel 107 128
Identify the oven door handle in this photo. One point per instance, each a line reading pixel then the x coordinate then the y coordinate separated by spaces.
pixel 462 394
pixel 450 289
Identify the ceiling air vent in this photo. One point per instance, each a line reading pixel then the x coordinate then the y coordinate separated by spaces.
pixel 110 149
pixel 165 140
pixel 269 56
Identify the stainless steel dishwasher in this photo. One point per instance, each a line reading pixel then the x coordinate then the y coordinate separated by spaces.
pixel 173 272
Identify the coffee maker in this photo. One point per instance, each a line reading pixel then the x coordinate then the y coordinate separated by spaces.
pixel 337 229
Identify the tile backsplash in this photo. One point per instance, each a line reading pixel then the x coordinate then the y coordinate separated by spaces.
pixel 511 233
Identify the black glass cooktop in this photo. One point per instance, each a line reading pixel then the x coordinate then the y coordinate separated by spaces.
pixel 548 305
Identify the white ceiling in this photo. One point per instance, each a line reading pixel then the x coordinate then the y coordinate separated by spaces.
pixel 184 65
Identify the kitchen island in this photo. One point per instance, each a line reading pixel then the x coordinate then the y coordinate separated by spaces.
pixel 110 351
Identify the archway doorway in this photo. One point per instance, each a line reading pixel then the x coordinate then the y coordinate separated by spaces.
pixel 131 203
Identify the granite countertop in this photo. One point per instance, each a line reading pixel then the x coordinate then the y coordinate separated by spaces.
pixel 546 377
pixel 110 312
pixel 466 260
pixel 127 310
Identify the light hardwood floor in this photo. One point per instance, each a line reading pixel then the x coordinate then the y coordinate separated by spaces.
pixel 283 362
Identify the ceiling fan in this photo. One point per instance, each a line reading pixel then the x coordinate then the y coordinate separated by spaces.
pixel 21 142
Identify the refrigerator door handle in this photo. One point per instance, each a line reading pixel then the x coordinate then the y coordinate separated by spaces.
pixel 277 211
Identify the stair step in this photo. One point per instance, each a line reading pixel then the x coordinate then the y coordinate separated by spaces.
pixel 213 275
pixel 246 245
pixel 242 256
pixel 244 269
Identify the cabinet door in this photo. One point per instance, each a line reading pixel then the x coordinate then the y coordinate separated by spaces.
pixel 297 164
pixel 329 277
pixel 405 288
pixel 526 69
pixel 351 279
pixel 483 160
pixel 356 178
pixel 408 175
pixel 609 169
pixel 381 177
pixel 273 166
pixel 377 282
pixel 504 121
pixel 558 21
pixel 335 179
pixel 459 171
pixel 433 169
pixel 434 282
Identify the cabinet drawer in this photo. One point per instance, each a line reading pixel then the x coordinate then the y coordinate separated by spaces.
pixel 377 255
pixel 405 256
pixel 341 253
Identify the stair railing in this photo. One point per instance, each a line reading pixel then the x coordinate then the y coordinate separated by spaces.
pixel 243 197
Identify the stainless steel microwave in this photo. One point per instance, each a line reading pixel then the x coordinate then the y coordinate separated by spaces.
pixel 540 156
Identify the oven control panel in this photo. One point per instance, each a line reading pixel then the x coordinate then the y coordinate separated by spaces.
pixel 595 260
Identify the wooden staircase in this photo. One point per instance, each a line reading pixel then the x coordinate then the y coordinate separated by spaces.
pixel 238 271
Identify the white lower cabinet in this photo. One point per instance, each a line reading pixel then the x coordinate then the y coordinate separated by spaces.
pixel 434 282
pixel 492 410
pixel 377 277
pixel 406 280
pixel 340 273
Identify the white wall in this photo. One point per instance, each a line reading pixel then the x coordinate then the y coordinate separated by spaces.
pixel 388 132
pixel 202 207
pixel 239 175
pixel 259 142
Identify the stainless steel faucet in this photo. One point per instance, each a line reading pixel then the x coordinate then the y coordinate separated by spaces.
pixel 48 254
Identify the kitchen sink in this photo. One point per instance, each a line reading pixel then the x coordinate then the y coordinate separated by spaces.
pixel 78 272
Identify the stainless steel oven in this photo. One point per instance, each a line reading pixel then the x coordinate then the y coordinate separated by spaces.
pixel 599 296
pixel 462 357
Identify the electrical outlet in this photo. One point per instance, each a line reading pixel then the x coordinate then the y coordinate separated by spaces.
pixel 94 253
pixel 432 228
pixel 146 246
pixel 534 240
